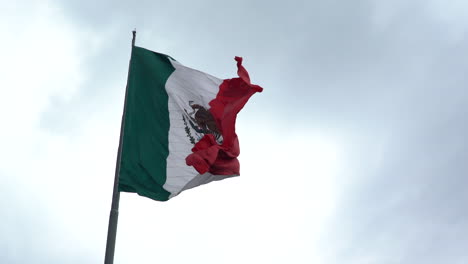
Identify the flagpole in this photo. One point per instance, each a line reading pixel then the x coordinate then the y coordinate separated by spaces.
pixel 114 212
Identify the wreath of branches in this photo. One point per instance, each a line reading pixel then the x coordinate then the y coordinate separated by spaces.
pixel 187 131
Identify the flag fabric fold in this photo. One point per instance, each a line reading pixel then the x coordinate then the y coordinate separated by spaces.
pixel 179 127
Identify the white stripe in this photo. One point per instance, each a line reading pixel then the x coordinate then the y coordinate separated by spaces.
pixel 184 85
pixel 202 179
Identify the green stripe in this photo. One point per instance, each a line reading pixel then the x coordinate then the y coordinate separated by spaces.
pixel 146 132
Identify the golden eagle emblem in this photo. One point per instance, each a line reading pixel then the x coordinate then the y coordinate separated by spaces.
pixel 201 121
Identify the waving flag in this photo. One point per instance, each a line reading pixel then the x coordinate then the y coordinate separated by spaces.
pixel 179 129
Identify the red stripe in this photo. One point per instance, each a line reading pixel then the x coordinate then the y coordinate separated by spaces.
pixel 208 155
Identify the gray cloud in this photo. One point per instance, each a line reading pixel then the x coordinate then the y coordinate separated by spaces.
pixel 387 80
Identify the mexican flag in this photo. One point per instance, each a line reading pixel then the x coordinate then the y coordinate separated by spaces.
pixel 179 126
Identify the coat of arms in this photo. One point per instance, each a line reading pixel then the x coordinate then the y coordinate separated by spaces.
pixel 200 122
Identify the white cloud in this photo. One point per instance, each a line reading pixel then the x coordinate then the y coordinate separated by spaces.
pixel 356 140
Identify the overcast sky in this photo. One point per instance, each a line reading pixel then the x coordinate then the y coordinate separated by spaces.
pixel 356 151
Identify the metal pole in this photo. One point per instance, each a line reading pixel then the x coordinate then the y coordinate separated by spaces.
pixel 114 213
